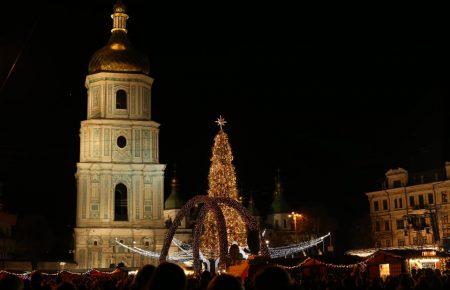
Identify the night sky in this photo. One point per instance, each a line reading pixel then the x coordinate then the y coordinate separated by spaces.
pixel 332 102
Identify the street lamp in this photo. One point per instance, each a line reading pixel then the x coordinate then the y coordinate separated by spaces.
pixel 294 217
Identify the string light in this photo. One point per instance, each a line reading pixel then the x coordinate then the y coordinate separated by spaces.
pixel 222 183
pixel 181 257
pixel 296 248
pixel 90 272
pixel 362 265
pixel 188 252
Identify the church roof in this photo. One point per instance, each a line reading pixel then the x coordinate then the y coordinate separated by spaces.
pixel 118 55
pixel 174 201
pixel 279 203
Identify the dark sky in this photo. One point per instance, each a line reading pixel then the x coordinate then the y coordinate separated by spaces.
pixel 332 101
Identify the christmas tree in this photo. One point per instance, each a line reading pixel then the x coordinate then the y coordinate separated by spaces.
pixel 222 183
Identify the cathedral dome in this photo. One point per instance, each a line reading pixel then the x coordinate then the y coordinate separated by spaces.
pixel 174 201
pixel 118 55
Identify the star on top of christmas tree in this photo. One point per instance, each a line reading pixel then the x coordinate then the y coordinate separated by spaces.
pixel 221 122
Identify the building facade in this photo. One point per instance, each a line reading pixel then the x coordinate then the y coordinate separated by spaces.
pixel 119 177
pixel 411 209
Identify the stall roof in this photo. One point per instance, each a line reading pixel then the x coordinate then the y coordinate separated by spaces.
pixel 370 251
pixel 404 252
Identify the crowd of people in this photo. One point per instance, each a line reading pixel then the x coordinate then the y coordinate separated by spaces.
pixel 169 276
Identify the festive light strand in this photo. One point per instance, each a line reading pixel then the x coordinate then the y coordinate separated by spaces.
pixel 316 262
pixel 175 258
pixel 296 248
pixel 90 272
pixel 187 251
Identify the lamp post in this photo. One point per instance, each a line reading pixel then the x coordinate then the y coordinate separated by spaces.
pixel 294 217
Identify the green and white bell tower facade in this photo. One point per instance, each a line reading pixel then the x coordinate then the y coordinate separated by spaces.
pixel 119 178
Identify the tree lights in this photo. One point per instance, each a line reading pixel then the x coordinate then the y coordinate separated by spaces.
pixel 222 183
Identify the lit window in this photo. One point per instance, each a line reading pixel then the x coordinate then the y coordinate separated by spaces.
pixel 121 100
pixel 384 271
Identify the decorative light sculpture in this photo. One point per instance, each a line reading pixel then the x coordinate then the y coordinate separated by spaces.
pixel 213 205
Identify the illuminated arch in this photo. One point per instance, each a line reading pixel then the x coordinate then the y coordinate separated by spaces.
pixel 210 204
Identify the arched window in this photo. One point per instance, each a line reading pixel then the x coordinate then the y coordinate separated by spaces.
pixel 121 100
pixel 120 203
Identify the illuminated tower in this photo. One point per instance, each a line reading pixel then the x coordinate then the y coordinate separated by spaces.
pixel 119 177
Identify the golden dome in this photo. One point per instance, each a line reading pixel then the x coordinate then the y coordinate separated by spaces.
pixel 118 55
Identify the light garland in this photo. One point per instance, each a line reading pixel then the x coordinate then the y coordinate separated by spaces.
pixel 362 265
pixel 188 252
pixel 90 272
pixel 296 248
pixel 182 245
pixel 175 258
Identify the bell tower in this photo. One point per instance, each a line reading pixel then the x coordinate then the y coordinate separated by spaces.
pixel 119 177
